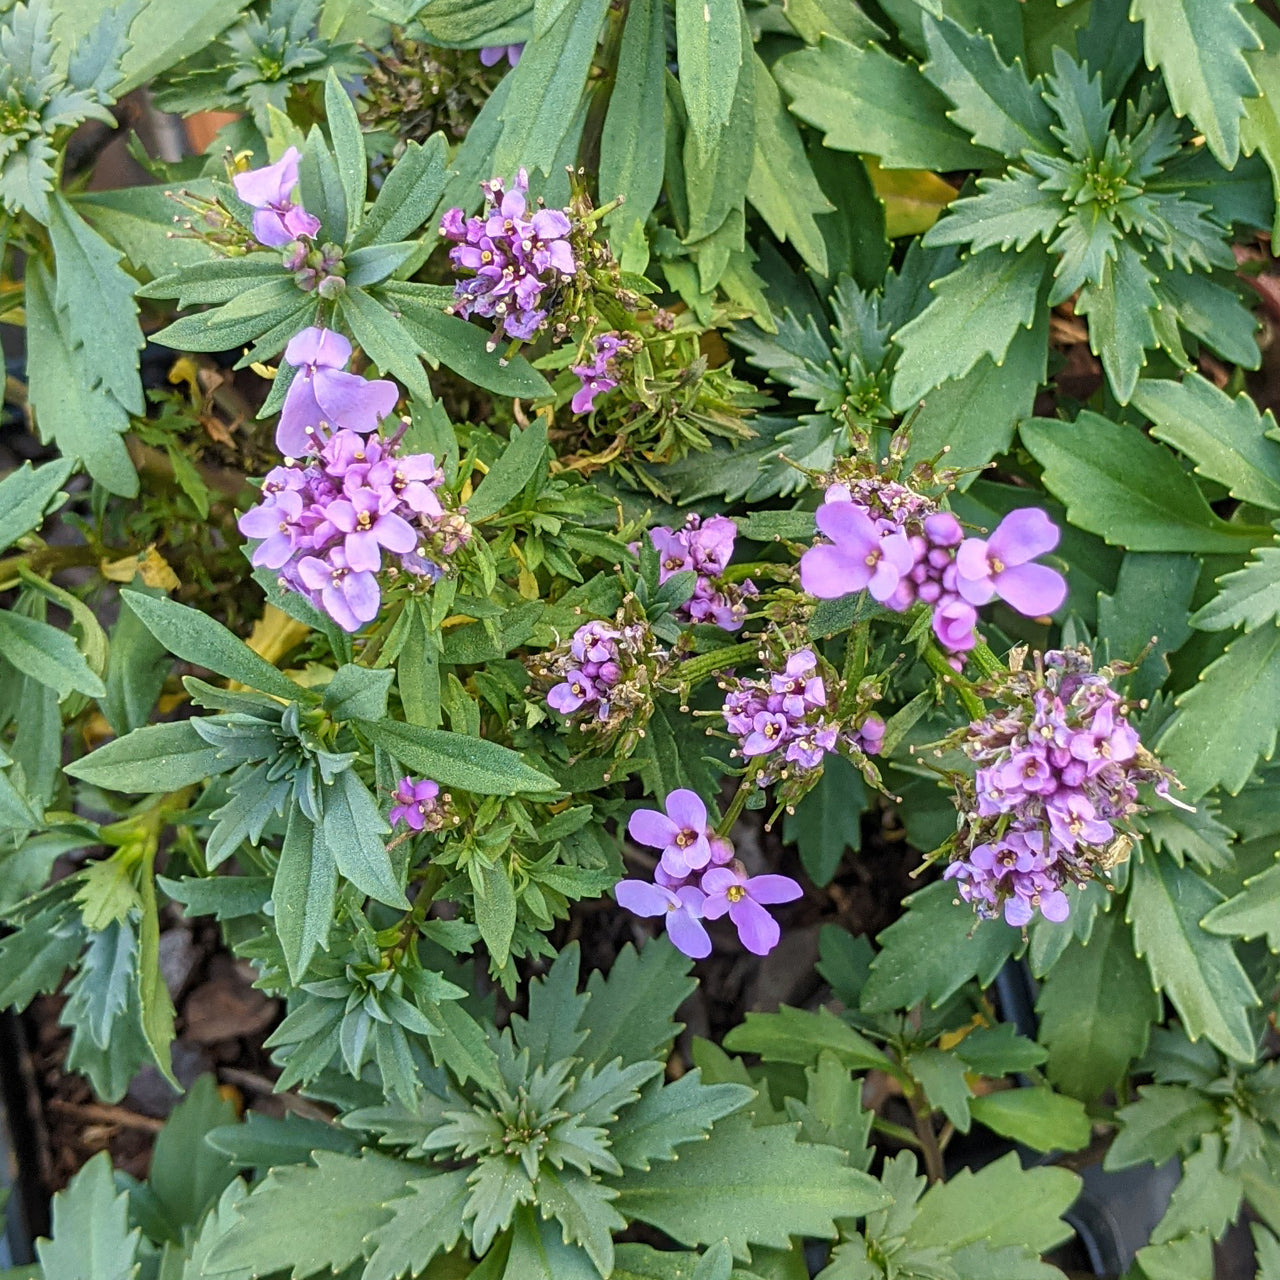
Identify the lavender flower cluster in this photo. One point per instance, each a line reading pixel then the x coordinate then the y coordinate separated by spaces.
pixel 896 544
pixel 517 262
pixel 326 519
pixel 600 375
pixel 604 674
pixel 1060 768
pixel 782 720
pixel 698 878
pixel 704 547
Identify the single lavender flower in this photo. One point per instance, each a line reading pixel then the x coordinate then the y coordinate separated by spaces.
pixel 744 898
pixel 680 832
pixel 680 908
pixel 350 597
pixel 323 397
pixel 860 555
pixel 277 221
pixel 417 805
pixel 1002 565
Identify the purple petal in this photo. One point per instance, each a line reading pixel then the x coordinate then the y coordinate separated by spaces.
pixel 649 827
pixel 272 184
pixel 718 880
pixel 363 595
pixel 686 810
pixel 642 898
pixel 1022 535
pixel 773 889
pixel 1055 906
pixel 395 533
pixel 972 561
pixel 348 400
pixel 828 573
pixel 363 551
pixel 757 929
pixel 846 524
pixel 688 935
pixel 1031 589
pixel 319 347
pixel 1017 911
pixel 271 230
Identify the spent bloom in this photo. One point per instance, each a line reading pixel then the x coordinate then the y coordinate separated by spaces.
pixel 704 547
pixel 323 397
pixel 515 260
pixel 1058 778
pixel 896 544
pixel 277 220
pixel 698 878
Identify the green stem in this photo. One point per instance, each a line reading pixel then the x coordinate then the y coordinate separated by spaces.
pixel 897 1131
pixel 985 660
pixel 692 670
pixel 938 663
pixel 740 797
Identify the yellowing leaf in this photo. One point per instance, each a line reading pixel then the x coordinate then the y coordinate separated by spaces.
pixel 913 199
pixel 275 633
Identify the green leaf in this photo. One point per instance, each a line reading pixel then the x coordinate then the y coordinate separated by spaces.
pixel 91 1237
pixel 1248 597
pixel 1200 973
pixel 155 1007
pixel 782 187
pixel 173 30
pixel 385 340
pixel 750 1186
pixel 520 462
pixel 158 757
pixel 1268 1248
pixel 1165 1120
pixel 86 425
pixel 34 957
pixel 25 494
pixel 358 692
pixel 353 827
pixel 828 820
pixel 423 1223
pixel 456 759
pixel 994 103
pixel 48 655
pixel 348 148
pixel 1096 1007
pixel 303 893
pixel 495 907
pixel 942 1076
pixel 933 949
pixel 1151 600
pixel 710 53
pixel 94 297
pixel 1227 439
pixel 582 1207
pixel 1121 307
pixel 1126 488
pixel 976 311
pixel 197 638
pixel 629 1014
pixel 1260 128
pixel 411 191
pixel 306 1218
pixel 1199 46
pixel 1229 720
pixel 99 991
pixel 1207 1199
pixel 669 1115
pixel 801 1035
pixel 1002 1204
pixel 1187 1258
pixel 633 139
pixel 1037 1117
pixel 865 100
pixel 1253 913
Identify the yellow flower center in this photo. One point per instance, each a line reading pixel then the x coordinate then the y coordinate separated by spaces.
pixel 735 893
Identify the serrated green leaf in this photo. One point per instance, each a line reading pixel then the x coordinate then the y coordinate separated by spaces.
pixel 34 957
pixel 1096 1008
pixel 98 994
pixel 669 1115
pixel 1187 1258
pixel 1126 488
pixel 994 103
pixel 1002 1204
pixel 629 1014
pixel 1207 1199
pixel 195 637
pixel 1200 972
pixel 933 949
pixel 1250 597
pixel 1229 719
pixel 976 311
pixel 865 100
pixel 1200 46
pixel 749 1186
pixel 456 759
pixel 48 655
pixel 24 495
pixel 1121 307
pixel 1268 1249
pixel 1253 913
pixel 307 1218
pixel 91 1237
pixel 583 1207
pixel 1037 1117
pixel 1226 438
pixel 942 1077
pixel 1150 602
pixel 1165 1120
pixel 425 1222
pixel 828 820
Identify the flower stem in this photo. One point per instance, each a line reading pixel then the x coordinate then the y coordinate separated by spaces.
pixel 745 787
pixel 691 670
pixel 985 660
pixel 938 663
